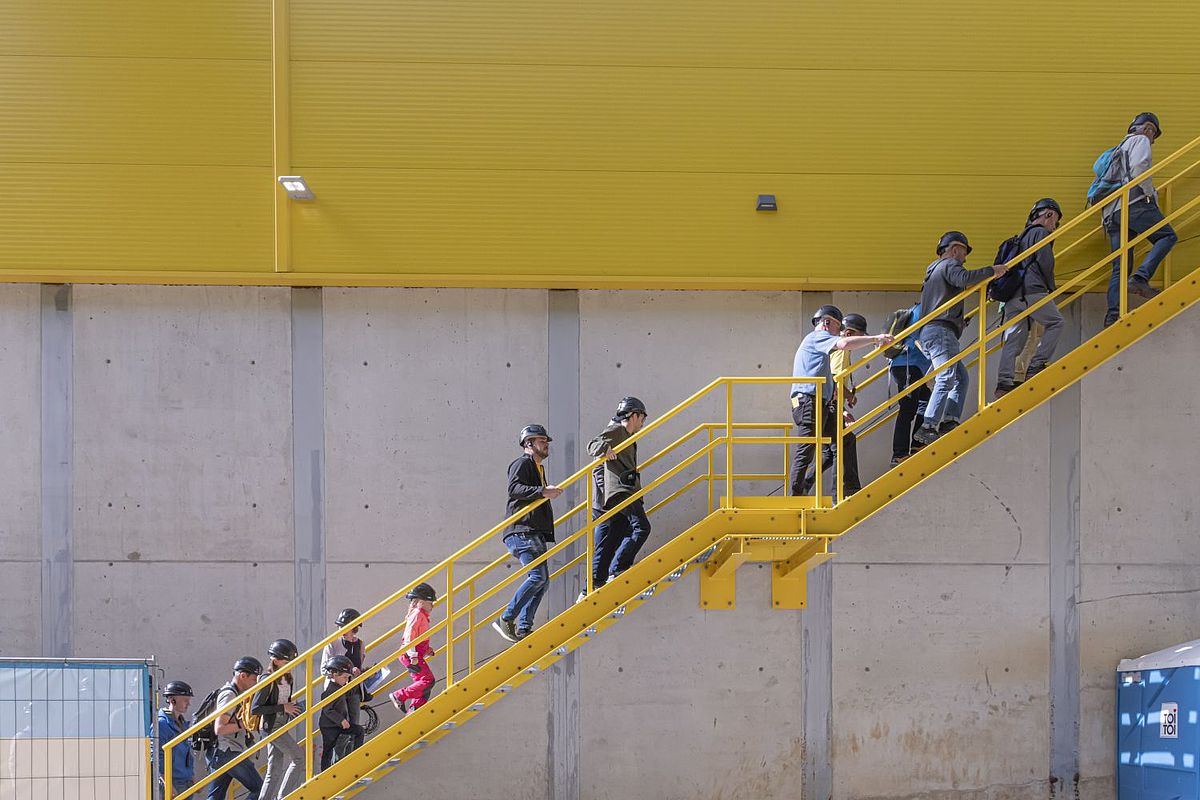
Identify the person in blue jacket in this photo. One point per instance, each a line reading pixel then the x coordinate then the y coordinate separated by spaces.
pixel 909 367
pixel 172 722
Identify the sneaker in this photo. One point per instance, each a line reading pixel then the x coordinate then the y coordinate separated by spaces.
pixel 1141 288
pixel 523 632
pixel 926 434
pixel 1110 319
pixel 505 628
pixel 582 597
pixel 896 460
pixel 1031 371
pixel 1004 387
pixel 947 426
pixel 398 702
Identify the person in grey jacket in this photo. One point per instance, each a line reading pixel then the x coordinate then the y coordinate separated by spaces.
pixel 619 538
pixel 944 279
pixel 1039 282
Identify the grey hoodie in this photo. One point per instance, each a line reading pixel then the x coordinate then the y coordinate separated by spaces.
pixel 945 278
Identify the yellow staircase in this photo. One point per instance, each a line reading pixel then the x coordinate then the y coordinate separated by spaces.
pixel 792 533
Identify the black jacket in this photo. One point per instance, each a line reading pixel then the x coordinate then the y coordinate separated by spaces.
pixel 266 702
pixel 333 714
pixel 613 480
pixel 525 485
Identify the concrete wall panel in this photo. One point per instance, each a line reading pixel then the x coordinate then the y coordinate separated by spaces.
pixel 427 390
pixel 20 409
pixel 182 423
pixel 20 593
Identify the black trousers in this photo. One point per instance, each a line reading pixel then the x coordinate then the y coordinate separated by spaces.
pixel 912 410
pixel 804 415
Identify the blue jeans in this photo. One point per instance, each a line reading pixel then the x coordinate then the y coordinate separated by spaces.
pixel 618 540
pixel 950 385
pixel 527 547
pixel 245 773
pixel 1142 217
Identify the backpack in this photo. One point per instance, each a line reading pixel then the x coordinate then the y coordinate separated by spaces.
pixel 1011 283
pixel 893 323
pixel 205 739
pixel 1112 171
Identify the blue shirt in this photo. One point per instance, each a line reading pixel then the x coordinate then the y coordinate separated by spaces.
pixel 182 769
pixel 912 355
pixel 812 361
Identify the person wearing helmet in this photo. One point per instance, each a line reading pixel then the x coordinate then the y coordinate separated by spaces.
pixel 812 360
pixel 839 360
pixel 945 278
pixel 1144 214
pixel 619 538
pixel 172 721
pixel 351 646
pixel 334 721
pixel 232 738
pixel 1043 219
pixel 529 536
pixel 274 707
pixel 418 651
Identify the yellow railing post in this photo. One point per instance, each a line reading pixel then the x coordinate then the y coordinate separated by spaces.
pixel 309 702
pixel 817 415
pixel 729 444
pixel 450 624
pixel 1167 276
pixel 787 462
pixel 839 423
pixel 711 465
pixel 168 777
pixel 982 344
pixel 589 528
pixel 471 628
pixel 1124 269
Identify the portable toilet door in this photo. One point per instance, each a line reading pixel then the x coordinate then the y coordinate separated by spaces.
pixel 1158 725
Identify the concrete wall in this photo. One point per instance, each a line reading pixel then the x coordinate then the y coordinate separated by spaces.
pixel 184 543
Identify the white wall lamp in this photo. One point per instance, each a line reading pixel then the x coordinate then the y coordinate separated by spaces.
pixel 296 187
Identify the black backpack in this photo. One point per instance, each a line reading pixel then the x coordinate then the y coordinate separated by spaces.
pixel 893 323
pixel 1011 283
pixel 205 739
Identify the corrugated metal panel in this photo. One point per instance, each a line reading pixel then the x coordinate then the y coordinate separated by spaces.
pixel 137 28
pixel 140 111
pixel 95 216
pixel 1070 36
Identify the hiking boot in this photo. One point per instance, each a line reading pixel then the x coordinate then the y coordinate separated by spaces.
pixel 505 628
pixel 1141 288
pixel 1004 387
pixel 926 434
pixel 1029 373
pixel 398 702
pixel 1110 319
pixel 947 426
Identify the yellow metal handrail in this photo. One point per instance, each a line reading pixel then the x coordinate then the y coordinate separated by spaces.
pixel 986 342
pixel 463 621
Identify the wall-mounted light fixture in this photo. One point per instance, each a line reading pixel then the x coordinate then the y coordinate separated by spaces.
pixel 766 202
pixel 296 187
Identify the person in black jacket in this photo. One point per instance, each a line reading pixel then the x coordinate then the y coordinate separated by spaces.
pixel 273 705
pixel 527 538
pixel 335 717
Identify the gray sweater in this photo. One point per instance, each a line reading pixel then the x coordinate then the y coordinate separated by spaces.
pixel 945 278
pixel 1039 272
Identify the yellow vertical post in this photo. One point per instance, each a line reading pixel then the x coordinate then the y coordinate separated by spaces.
pixel 449 624
pixel 150 768
pixel 787 462
pixel 817 415
pixel 281 145
pixel 471 628
pixel 728 444
pixel 1167 276
pixel 711 465
pixel 839 424
pixel 982 345
pixel 1122 279
pixel 310 700
pixel 589 546
pixel 168 776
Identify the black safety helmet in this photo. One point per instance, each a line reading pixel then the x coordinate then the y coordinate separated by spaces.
pixel 283 648
pixel 422 591
pixel 248 664
pixel 529 431
pixel 628 406
pixel 346 615
pixel 949 238
pixel 338 664
pixel 1042 205
pixel 827 311
pixel 1146 116
pixel 177 689
pixel 856 321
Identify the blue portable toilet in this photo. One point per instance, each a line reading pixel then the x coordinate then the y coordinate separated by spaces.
pixel 1158 725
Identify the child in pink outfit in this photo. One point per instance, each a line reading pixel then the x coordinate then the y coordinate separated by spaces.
pixel 416 658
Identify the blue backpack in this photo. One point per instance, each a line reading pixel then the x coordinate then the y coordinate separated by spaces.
pixel 1011 283
pixel 1111 169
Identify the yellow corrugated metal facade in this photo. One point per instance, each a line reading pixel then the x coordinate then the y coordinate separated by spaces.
pixel 536 143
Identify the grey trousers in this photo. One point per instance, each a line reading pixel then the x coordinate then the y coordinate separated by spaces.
pixel 1015 337
pixel 285 767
